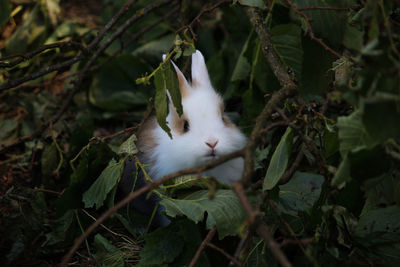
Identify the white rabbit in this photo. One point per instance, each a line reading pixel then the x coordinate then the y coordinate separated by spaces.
pixel 201 134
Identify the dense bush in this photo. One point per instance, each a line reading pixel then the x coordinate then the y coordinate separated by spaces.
pixel 78 77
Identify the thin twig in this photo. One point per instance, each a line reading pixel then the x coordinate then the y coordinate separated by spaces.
pixel 292 233
pixel 202 246
pixel 260 227
pixel 197 18
pixel 144 189
pixel 223 252
pixel 303 241
pixel 241 246
pixel 329 8
pixel 289 173
pixel 38 51
pixel 47 191
pixel 306 139
pixel 151 26
pixel 42 72
pixel 310 30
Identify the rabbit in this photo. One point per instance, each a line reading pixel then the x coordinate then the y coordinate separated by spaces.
pixel 203 133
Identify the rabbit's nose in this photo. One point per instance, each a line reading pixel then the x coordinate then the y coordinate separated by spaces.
pixel 212 144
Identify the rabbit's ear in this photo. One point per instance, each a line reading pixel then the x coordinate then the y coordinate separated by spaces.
pixel 200 76
pixel 184 86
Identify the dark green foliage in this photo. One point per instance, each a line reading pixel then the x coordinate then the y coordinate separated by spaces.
pixel 341 205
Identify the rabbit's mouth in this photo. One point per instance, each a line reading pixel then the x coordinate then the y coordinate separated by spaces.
pixel 211 154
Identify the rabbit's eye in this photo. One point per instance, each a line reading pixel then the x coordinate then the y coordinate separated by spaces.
pixel 185 126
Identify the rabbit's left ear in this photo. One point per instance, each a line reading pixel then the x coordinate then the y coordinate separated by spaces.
pixel 200 76
pixel 184 86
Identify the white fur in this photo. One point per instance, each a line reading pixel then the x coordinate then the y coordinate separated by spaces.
pixel 202 109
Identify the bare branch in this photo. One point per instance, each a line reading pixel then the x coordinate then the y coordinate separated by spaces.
pixel 201 13
pixel 260 227
pixel 356 7
pixel 289 88
pixel 202 246
pixel 223 252
pixel 42 72
pixel 38 51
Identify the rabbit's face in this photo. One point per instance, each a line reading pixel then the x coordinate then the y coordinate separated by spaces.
pixel 203 132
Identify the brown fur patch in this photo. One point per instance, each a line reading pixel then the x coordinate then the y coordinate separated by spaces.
pixel 146 140
pixel 195 83
pixel 177 122
pixel 228 122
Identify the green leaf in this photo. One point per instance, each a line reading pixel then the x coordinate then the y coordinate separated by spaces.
pixel 155 48
pixel 342 174
pixel 107 255
pixel 381 191
pixel 61 227
pixel 5 11
pixel 161 101
pixel 8 131
pixel 49 163
pixel 107 180
pixel 380 225
pixel 261 155
pixel 352 134
pixel 161 247
pixel 279 160
pixel 30 34
pixel 353 38
pixel 286 39
pixel 331 143
pixel 172 84
pixel 173 246
pixel 114 87
pixel 253 3
pixel 381 118
pixel 183 183
pixel 53 10
pixel 300 193
pixel 243 67
pixel 317 62
pixel 129 146
pixel 224 210
pixel 328 24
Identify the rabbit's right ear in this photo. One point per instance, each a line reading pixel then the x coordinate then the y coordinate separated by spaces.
pixel 184 86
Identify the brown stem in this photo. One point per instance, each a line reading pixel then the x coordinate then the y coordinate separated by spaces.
pixel 202 246
pixel 223 252
pixel 329 8
pixel 38 51
pixel 289 88
pixel 310 30
pixel 260 227
pixel 201 13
